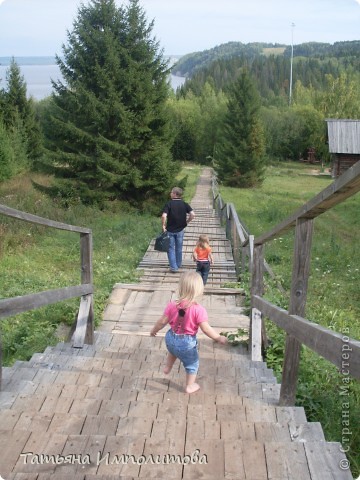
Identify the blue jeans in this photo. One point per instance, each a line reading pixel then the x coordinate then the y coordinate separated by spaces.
pixel 184 347
pixel 175 249
pixel 203 268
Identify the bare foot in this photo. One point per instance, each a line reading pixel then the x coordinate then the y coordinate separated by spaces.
pixel 167 369
pixel 192 388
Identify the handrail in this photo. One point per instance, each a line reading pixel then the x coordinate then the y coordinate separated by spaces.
pixel 29 217
pixel 342 188
pixel 84 328
pixel 16 305
pixel 325 342
pixel 331 345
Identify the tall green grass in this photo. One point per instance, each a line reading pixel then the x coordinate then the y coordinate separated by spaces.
pixel 33 258
pixel 333 292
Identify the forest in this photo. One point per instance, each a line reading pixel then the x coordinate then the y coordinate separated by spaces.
pixel 150 129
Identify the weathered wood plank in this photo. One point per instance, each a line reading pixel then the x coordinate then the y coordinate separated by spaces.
pixel 255 335
pixel 342 351
pixel 15 305
pixel 124 448
pixel 56 404
pixel 66 424
pixel 272 432
pixel 101 425
pixel 12 444
pixel 160 451
pixel 287 461
pixel 28 476
pixel 211 452
pixel 83 323
pixel 305 432
pixel 245 459
pixel 257 288
pixel 36 446
pixel 327 461
pixel 28 217
pixel 34 422
pixel 237 430
pixel 299 283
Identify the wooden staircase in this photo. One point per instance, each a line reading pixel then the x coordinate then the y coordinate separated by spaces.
pixel 108 411
pixel 95 406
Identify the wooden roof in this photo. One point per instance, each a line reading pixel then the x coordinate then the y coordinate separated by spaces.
pixel 344 136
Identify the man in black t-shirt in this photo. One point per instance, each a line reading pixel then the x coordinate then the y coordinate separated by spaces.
pixel 176 215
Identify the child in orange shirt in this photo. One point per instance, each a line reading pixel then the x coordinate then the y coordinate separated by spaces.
pixel 203 257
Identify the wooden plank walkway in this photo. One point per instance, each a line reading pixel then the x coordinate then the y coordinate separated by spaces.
pixel 108 411
pixel 135 308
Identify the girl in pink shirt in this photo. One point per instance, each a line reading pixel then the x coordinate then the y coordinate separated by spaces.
pixel 185 316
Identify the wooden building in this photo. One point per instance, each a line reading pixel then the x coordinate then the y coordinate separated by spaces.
pixel 344 144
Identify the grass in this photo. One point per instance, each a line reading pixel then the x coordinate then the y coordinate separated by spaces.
pixel 333 292
pixel 273 51
pixel 34 259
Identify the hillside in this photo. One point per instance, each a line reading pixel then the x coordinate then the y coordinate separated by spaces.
pixel 191 63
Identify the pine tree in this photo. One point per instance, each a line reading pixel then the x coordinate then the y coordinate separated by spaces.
pixel 19 111
pixel 240 152
pixel 108 127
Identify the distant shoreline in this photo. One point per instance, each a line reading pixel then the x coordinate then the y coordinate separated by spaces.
pixel 38 73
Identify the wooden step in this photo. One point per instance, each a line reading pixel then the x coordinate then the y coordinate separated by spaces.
pixel 106 455
pixel 258 429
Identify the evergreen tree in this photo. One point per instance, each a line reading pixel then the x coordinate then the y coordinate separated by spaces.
pixel 240 152
pixel 107 126
pixel 19 112
pixel 13 156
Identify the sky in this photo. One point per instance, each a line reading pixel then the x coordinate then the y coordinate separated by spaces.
pixel 38 27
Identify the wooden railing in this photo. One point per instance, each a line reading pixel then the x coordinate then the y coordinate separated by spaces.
pixel 338 348
pixel 84 325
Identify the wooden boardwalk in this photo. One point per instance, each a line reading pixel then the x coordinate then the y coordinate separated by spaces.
pixel 108 412
pixel 135 308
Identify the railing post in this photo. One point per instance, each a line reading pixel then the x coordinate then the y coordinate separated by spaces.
pixel 87 277
pixel 228 223
pixel 300 276
pixel 251 253
pixel 0 359
pixel 236 248
pixel 257 288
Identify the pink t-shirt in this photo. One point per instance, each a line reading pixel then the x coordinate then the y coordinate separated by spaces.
pixel 189 324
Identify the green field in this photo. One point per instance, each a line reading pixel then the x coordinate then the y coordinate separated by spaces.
pixel 273 51
pixel 333 291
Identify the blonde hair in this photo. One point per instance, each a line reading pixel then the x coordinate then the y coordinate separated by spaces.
pixel 203 241
pixel 191 287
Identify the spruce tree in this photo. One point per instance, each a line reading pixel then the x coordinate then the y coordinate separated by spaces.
pixel 108 129
pixel 19 112
pixel 240 152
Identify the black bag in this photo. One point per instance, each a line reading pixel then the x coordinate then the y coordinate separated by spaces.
pixel 162 242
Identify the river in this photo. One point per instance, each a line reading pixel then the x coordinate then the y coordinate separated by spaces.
pixel 38 78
